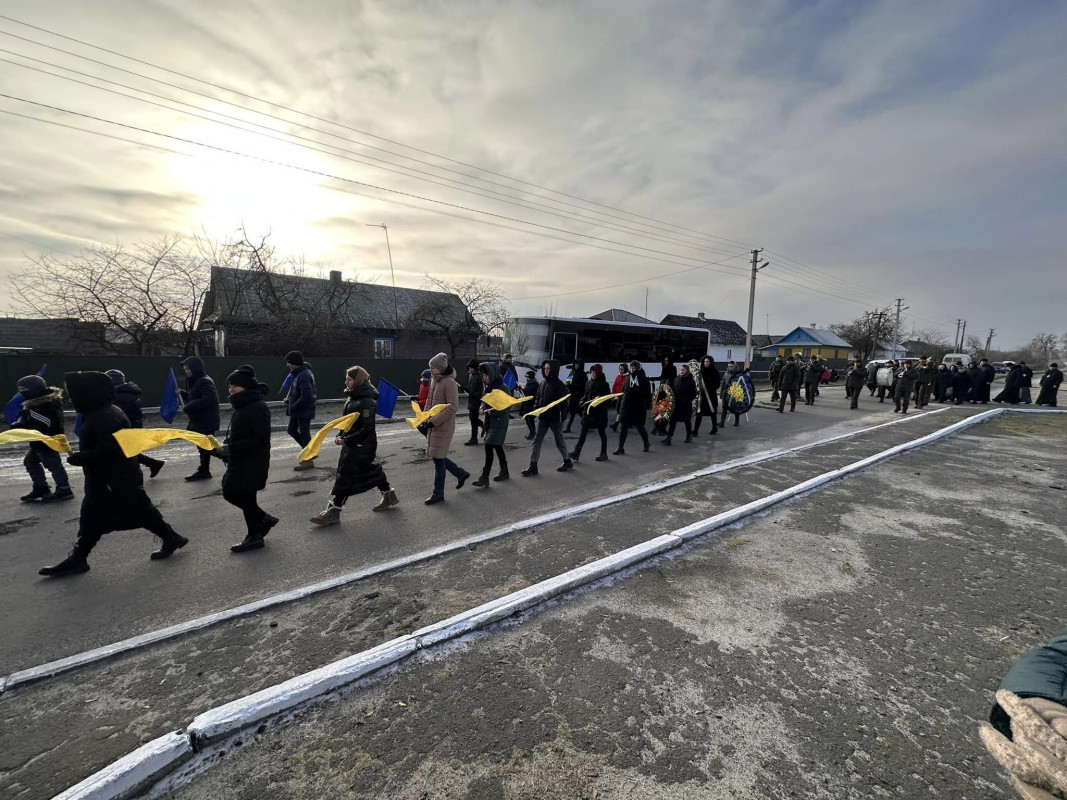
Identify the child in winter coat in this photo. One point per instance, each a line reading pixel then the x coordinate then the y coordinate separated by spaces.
pixel 42 410
pixel 495 425
pixel 424 389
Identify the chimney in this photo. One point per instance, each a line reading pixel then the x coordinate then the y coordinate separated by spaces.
pixel 335 276
pixel 700 315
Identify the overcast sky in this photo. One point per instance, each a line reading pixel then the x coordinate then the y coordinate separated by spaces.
pixel 895 149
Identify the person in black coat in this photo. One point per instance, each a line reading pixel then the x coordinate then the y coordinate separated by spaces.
pixel 961 384
pixel 812 375
pixel 707 381
pixel 685 392
pixel 634 404
pixel 577 389
pixel 925 383
pixel 42 411
pixel 475 387
pixel 246 452
pixel 855 377
pixel 1050 385
pixel 668 372
pixel 1026 382
pixel 115 499
pixel 986 376
pixel 200 400
pixel 549 391
pixel 942 384
pixel 128 398
pixel 907 374
pixel 790 381
pixel 1010 392
pixel 529 389
pixel 594 418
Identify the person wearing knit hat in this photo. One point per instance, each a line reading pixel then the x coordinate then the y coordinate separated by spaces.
pixel 42 410
pixel 440 429
pixel 529 389
pixel 424 389
pixel 300 403
pixel 128 398
pixel 358 470
pixel 439 362
pixel 595 418
pixel 246 452
pixel 475 387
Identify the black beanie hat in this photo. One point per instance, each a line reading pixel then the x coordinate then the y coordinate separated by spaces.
pixel 32 386
pixel 243 377
pixel 294 357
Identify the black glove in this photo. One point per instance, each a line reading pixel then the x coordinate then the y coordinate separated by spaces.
pixel 223 454
pixel 424 427
pixel 76 460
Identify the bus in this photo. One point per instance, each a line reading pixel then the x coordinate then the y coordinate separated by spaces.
pixel 535 339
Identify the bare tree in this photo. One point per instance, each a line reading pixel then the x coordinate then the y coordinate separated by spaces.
pixel 865 332
pixel 932 343
pixel 516 338
pixel 975 346
pixel 483 311
pixel 1043 345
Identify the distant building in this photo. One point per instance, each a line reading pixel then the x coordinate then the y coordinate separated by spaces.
pixel 808 341
pixel 885 350
pixel 619 315
pixel 250 313
pixel 727 337
pixel 52 336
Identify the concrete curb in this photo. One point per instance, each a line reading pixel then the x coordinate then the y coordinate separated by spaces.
pixel 125 777
pixel 53 668
pixel 136 769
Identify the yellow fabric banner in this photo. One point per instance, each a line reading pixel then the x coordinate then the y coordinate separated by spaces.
pixel 58 443
pixel 341 424
pixel 135 441
pixel 421 416
pixel 539 411
pixel 604 399
pixel 499 400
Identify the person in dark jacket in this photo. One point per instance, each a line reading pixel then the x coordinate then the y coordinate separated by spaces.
pixel 961 384
pixel 1050 385
pixel 774 375
pixel 616 388
pixel 506 367
pixel 475 386
pixel 550 390
pixel 594 418
pixel 200 401
pixel 727 378
pixel 300 403
pixel 668 372
pixel 925 383
pixel 42 410
pixel 872 377
pixel 707 381
pixel 906 377
pixel 986 376
pixel 577 389
pixel 685 392
pixel 495 426
pixel 358 471
pixel 529 389
pixel 855 377
pixel 790 384
pixel 246 453
pixel 1026 382
pixel 942 383
pixel 812 375
pixel 128 398
pixel 1010 392
pixel 634 404
pixel 115 499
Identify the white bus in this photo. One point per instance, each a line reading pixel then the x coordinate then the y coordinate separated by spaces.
pixel 535 339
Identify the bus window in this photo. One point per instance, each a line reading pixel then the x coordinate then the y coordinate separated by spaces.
pixel 564 347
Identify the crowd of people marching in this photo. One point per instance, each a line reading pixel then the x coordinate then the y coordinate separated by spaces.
pixel 687 393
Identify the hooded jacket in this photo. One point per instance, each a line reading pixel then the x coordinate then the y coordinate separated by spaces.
pixel 550 390
pixel 636 399
pixel 577 386
pixel 596 418
pixel 475 387
pixel 302 394
pixel 668 372
pixel 43 413
pixel 200 398
pixel 685 392
pixel 357 469
pixel 248 439
pixel 128 398
pixel 107 469
pixel 496 421
pixel 708 387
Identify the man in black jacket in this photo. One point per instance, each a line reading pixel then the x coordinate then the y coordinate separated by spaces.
pixel 906 377
pixel 855 377
pixel 42 410
pixel 550 390
pixel 790 383
pixel 634 404
pixel 1026 382
pixel 128 398
pixel 1050 385
pixel 774 375
pixel 475 388
pixel 812 375
pixel 986 376
pixel 200 400
pixel 577 390
pixel 925 384
pixel 115 499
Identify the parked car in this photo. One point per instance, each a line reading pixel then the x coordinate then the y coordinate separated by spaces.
pixel 999 367
pixel 959 359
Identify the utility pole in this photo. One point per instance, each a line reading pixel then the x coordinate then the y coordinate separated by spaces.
pixel 389 250
pixel 955 342
pixel 963 332
pixel 756 267
pixel 896 327
pixel 989 340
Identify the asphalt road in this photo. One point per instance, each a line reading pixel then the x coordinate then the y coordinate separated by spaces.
pixel 125 594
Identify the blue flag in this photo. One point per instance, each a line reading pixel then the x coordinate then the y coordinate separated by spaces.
pixel 387 395
pixel 14 405
pixel 168 406
pixel 510 380
pixel 286 384
pixel 78 425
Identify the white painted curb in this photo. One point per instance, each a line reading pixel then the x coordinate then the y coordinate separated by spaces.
pixel 133 772
pixel 239 714
pixel 61 665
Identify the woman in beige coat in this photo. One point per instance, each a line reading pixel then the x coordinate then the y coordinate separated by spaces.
pixel 440 429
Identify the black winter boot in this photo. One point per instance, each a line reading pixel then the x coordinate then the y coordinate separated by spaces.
pixel 483 480
pixel 171 541
pixel 199 475
pixel 250 542
pixel 503 475
pixel 603 456
pixel 37 493
pixel 59 494
pixel 71 565
pixel 529 471
pixel 566 466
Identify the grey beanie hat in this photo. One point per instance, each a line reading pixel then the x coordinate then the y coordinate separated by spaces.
pixel 439 361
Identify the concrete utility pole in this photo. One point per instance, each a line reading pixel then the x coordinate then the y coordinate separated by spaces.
pixel 756 267
pixel 389 250
pixel 955 342
pixel 989 340
pixel 963 332
pixel 896 327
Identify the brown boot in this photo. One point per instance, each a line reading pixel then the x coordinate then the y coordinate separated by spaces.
pixel 303 465
pixel 388 500
pixel 331 516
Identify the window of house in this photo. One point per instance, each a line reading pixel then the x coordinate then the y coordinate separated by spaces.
pixel 383 348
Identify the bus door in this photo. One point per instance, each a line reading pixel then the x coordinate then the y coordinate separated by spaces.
pixel 565 347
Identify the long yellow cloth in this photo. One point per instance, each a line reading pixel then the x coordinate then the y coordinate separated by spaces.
pixel 539 411
pixel 313 447
pixel 500 400
pixel 604 399
pixel 135 441
pixel 421 416
pixel 58 442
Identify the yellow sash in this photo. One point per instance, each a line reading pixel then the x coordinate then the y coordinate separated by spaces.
pixel 539 411
pixel 58 442
pixel 313 447
pixel 500 400
pixel 604 399
pixel 135 441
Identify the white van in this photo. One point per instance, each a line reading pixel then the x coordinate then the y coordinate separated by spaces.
pixel 960 359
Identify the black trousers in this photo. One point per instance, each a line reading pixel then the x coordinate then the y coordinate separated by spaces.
pixel 674 424
pixel 924 396
pixel 902 398
pixel 246 501
pixel 476 423
pixel 124 510
pixel 498 450
pixel 811 391
pixel 791 395
pixel 640 429
pixel 300 430
pixel 854 395
pixel 585 432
